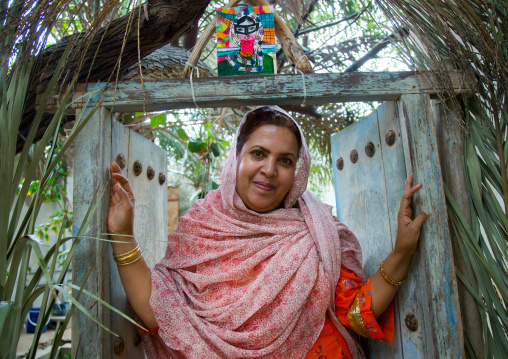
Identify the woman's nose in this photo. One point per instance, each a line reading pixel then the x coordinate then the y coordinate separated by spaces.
pixel 269 168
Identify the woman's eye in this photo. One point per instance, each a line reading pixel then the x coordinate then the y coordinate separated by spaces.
pixel 287 161
pixel 257 154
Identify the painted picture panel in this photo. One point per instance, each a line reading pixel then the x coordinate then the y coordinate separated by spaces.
pixel 245 40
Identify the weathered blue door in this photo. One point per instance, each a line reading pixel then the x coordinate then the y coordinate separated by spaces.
pixel 371 160
pixel 102 141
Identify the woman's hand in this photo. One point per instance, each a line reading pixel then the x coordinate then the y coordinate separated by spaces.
pixel 408 229
pixel 398 261
pixel 121 203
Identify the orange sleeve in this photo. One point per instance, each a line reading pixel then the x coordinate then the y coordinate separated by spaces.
pixel 351 287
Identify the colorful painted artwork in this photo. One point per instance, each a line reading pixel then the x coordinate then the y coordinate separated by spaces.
pixel 245 40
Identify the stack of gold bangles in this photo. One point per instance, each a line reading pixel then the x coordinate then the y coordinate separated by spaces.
pixel 129 257
pixel 387 278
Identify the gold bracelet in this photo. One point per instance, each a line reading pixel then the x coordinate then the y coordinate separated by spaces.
pixel 133 261
pixel 125 257
pixel 387 278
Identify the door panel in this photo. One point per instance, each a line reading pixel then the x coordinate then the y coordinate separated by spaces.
pixel 100 143
pixel 368 194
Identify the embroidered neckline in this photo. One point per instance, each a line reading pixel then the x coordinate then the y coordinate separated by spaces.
pixel 240 63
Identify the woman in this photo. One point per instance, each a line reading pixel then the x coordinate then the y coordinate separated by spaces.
pixel 260 267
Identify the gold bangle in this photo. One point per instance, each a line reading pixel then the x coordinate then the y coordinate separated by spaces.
pixel 133 261
pixel 127 255
pixel 387 278
pixel 354 318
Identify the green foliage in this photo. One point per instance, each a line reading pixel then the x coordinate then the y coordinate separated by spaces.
pixel 59 221
pixel 158 120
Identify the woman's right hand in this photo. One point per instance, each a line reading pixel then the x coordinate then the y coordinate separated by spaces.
pixel 121 203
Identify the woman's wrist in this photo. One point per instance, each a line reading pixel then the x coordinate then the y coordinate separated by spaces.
pixel 397 264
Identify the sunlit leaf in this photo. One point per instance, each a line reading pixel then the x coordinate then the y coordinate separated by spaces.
pixel 158 120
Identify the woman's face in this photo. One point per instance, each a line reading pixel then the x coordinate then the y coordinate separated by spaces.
pixel 266 167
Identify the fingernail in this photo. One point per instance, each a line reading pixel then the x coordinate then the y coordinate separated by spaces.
pixel 427 213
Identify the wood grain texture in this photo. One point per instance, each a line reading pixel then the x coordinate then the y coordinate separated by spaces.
pixel 238 91
pixel 150 223
pixel 368 196
pixel 364 195
pixel 92 151
pixel 450 139
pixel 434 258
pixel 96 147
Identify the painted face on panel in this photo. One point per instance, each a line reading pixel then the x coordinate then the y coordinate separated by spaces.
pixel 266 167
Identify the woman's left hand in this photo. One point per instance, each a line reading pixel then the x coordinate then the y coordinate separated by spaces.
pixel 408 229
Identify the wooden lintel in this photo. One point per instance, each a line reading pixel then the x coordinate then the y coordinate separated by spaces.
pixel 238 91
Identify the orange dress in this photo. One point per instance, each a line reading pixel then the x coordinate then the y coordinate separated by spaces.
pixel 330 344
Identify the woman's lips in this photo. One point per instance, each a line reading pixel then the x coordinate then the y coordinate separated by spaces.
pixel 264 186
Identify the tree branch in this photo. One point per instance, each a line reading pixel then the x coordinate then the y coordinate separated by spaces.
pixel 98 55
pixel 376 49
pixel 330 24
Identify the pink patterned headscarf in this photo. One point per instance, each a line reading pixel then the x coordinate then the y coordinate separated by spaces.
pixel 240 284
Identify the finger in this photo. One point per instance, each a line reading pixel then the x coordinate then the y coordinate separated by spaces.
pixel 121 192
pixel 420 218
pixel 123 181
pixel 408 195
pixel 409 182
pixel 115 168
pixel 112 182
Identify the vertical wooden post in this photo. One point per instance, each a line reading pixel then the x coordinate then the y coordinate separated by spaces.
pixel 101 142
pixel 450 140
pixel 434 259
pixel 92 152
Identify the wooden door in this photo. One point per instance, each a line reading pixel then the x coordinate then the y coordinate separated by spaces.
pixel 371 160
pixel 102 141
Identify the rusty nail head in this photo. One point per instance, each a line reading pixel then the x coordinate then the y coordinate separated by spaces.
pixel 411 322
pixel 162 178
pixel 150 173
pixel 370 149
pixel 339 163
pixel 138 168
pixel 120 160
pixel 118 346
pixel 390 138
pixel 137 339
pixel 353 156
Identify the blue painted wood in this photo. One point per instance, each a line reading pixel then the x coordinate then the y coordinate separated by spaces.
pixel 434 259
pixel 368 195
pixel 96 147
pixel 259 90
pixel 368 198
pixel 150 223
pixel 90 173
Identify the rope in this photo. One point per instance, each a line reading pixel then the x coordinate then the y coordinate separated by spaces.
pixel 191 84
pixel 303 80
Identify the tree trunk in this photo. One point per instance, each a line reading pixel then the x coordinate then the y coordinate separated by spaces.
pixel 96 58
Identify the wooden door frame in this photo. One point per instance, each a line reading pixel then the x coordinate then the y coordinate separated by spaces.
pixel 265 90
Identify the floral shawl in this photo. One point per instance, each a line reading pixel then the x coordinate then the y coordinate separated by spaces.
pixel 240 284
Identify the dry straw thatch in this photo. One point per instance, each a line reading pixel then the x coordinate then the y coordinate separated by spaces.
pixel 472 36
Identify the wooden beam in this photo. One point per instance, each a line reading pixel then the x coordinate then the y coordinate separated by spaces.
pixel 260 90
